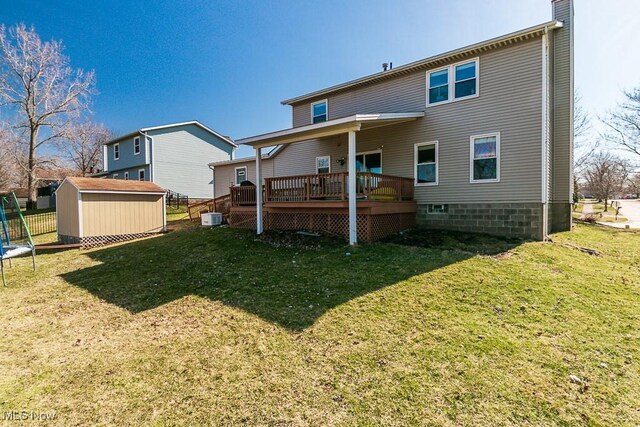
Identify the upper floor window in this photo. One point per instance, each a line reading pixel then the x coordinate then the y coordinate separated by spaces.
pixel 136 145
pixel 426 161
pixel 116 151
pixel 439 86
pixel 456 81
pixel 485 158
pixel 323 164
pixel 319 111
pixel 241 174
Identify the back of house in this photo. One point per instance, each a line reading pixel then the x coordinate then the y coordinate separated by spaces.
pixel 492 152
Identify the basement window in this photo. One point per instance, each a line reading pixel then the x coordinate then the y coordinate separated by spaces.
pixel 437 209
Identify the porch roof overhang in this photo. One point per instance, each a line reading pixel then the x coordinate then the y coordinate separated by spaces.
pixel 355 122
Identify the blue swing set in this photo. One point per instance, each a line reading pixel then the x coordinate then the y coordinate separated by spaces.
pixel 9 250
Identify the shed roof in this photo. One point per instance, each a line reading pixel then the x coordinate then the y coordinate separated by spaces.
pixel 101 185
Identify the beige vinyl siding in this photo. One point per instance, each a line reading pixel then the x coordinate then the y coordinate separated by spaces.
pixel 509 102
pixel 225 174
pixel 115 214
pixel 67 210
pixel 562 103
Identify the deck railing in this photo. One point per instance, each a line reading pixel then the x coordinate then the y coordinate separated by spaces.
pixel 244 195
pixel 327 186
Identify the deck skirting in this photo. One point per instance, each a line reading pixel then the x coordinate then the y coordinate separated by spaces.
pixel 375 220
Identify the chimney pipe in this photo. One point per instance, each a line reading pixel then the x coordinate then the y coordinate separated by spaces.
pixel 384 66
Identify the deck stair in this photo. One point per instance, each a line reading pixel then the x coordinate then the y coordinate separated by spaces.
pixel 220 204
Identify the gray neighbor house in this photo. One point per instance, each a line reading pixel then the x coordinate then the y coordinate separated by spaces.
pixel 170 156
pixel 476 139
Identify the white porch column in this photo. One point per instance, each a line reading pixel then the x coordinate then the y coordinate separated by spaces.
pixel 353 232
pixel 259 190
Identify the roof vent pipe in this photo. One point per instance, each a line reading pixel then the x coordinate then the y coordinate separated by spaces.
pixel 384 66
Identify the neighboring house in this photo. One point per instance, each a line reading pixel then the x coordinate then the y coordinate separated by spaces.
pixel 170 156
pixel 483 135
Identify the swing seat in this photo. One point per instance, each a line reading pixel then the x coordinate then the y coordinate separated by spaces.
pixel 16 250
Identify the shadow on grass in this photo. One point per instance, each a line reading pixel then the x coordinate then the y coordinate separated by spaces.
pixel 282 277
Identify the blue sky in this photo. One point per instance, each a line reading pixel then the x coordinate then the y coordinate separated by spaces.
pixel 230 63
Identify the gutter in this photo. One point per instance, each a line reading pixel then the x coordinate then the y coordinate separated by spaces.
pixel 148 152
pixel 422 63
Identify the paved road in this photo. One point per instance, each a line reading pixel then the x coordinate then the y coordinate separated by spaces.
pixel 631 210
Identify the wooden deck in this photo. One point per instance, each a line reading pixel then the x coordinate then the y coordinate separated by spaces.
pixel 384 204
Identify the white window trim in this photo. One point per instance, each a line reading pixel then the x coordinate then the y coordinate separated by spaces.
pixel 143 175
pixel 235 174
pixel 136 142
pixel 471 158
pixel 452 82
pixel 415 164
pixel 326 109
pixel 116 151
pixel 126 176
pixel 114 176
pixel 323 157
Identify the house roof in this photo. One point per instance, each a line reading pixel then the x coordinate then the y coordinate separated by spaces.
pixel 271 154
pixel 101 185
pixel 171 125
pixel 431 61
pixel 342 125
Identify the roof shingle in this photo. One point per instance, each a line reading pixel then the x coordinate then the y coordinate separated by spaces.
pixel 100 184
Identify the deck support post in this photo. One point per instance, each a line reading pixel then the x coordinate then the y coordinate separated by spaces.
pixel 259 190
pixel 353 232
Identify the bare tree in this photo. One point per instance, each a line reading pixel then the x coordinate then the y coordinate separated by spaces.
pixel 82 146
pixel 623 123
pixel 633 185
pixel 606 175
pixel 583 143
pixel 41 89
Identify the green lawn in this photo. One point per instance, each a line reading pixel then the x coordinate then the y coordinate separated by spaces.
pixel 215 326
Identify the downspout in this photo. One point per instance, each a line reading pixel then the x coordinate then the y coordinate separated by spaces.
pixel 148 153
pixel 213 179
pixel 545 135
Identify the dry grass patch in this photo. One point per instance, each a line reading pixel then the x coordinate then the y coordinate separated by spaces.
pixel 216 326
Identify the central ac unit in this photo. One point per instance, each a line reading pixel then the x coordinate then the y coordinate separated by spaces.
pixel 210 219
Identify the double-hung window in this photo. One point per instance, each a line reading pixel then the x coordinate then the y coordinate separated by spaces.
pixel 485 158
pixel 454 82
pixel 126 175
pixel 140 174
pixel 426 163
pixel 319 111
pixel 439 86
pixel 116 151
pixel 323 164
pixel 136 145
pixel 466 79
